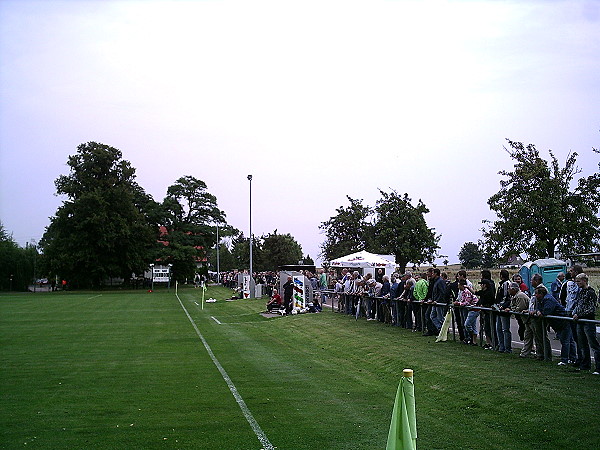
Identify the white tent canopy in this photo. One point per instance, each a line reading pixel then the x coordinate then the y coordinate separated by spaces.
pixel 363 259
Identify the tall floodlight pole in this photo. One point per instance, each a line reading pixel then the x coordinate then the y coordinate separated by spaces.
pixel 251 272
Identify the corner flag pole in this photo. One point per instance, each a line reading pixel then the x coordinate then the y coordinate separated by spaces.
pixel 403 427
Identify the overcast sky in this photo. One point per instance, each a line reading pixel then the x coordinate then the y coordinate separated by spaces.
pixel 317 100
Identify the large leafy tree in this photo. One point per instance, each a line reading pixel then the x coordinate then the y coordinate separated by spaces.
pixel 99 231
pixel 393 226
pixel 539 212
pixel 348 231
pixel 190 213
pixel 279 249
pixel 470 255
pixel 400 229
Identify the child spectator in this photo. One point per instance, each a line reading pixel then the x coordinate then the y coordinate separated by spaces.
pixel 469 316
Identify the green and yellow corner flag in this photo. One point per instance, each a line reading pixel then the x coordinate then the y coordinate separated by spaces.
pixel 403 428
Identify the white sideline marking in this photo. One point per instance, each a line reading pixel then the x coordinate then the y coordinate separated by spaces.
pixel 215 319
pixel 95 296
pixel 238 398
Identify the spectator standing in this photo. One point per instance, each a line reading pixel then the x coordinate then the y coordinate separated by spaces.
pixel 562 296
pixel 462 275
pixel 468 316
pixel 323 284
pixel 439 298
pixel 570 296
pixel 452 293
pixel 394 294
pixel 542 343
pixel 348 283
pixel 373 292
pixel 401 305
pixel 486 300
pixel 547 305
pixel 358 289
pixel 420 294
pixel 339 293
pixel 385 287
pixel 519 304
pixel 556 285
pixel 314 282
pixel 386 303
pixel 585 308
pixel 523 288
pixel 429 328
pixel 407 299
pixel 502 317
pixel 288 291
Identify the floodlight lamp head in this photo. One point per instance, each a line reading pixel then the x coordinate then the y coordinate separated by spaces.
pixel 249 177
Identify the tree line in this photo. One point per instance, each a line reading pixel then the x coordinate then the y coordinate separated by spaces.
pixel 109 227
pixel 541 210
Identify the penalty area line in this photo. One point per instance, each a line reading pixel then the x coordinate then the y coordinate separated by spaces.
pixel 262 437
pixel 215 319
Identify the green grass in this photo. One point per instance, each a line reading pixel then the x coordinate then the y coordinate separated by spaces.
pixel 127 370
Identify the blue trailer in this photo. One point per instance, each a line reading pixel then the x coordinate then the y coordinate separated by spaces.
pixel 548 268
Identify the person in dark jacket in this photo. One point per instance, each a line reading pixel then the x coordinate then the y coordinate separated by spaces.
pixel 486 299
pixel 503 332
pixel 438 296
pixel 547 305
pixel 288 291
pixel 557 285
pixel 452 293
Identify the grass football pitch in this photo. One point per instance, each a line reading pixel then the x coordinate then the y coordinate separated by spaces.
pixel 116 370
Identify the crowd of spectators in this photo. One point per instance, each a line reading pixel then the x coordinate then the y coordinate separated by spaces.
pixel 482 315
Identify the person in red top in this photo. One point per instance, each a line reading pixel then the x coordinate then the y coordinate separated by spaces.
pixel 522 286
pixel 275 302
